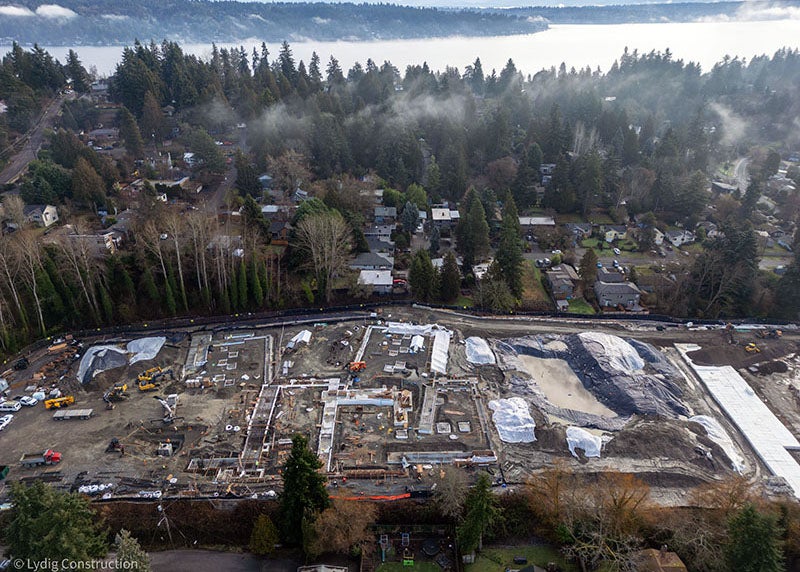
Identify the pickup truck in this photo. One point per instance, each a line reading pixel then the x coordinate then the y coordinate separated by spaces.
pixel 49 457
pixel 73 414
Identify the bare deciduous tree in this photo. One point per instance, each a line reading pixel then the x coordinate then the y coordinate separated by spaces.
pixel 27 250
pixel 14 209
pixel 344 525
pixel 327 239
pixel 450 492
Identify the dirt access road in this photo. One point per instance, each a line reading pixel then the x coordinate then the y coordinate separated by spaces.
pixel 33 142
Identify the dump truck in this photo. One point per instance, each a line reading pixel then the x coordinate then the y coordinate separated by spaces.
pixel 49 457
pixel 59 402
pixel 73 414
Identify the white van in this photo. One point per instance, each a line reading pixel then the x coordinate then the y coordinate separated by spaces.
pixel 12 406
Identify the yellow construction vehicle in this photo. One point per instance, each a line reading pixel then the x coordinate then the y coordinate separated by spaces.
pixel 59 402
pixel 751 348
pixel 115 393
pixel 148 381
pixel 148 374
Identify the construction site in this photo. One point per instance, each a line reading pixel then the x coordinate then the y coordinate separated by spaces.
pixel 387 401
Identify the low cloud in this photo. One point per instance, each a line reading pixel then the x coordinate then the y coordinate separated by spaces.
pixel 15 11
pixel 114 17
pixel 757 12
pixel 734 128
pixel 55 12
pixel 320 21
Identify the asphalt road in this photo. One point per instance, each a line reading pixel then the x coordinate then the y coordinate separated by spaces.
pixel 35 137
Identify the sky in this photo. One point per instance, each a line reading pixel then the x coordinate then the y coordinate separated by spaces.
pixel 506 3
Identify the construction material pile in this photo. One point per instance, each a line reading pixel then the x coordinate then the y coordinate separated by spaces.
pixel 628 376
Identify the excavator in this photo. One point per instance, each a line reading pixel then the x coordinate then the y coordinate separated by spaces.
pixel 752 348
pixel 356 366
pixel 116 393
pixel 148 380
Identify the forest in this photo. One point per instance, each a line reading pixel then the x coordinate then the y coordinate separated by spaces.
pixel 638 145
pixel 111 22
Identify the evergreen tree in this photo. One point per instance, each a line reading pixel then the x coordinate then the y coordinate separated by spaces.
pixel 417 195
pixel 450 279
pixel 77 73
pixel 588 268
pixel 422 277
pixel 509 254
pixel 130 134
pixel 241 283
pixel 152 123
pixel 481 512
pixel 87 186
pixel 304 494
pixel 169 299
pixel 433 179
pixel 51 525
pixel 753 542
pixel 409 217
pixel 472 234
pixel 256 291
pixel 435 238
pixel 264 536
pixel 247 177
pixel 130 555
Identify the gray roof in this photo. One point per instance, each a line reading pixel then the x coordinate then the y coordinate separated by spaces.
pixel 372 259
pixel 386 211
pixel 609 276
pixel 604 288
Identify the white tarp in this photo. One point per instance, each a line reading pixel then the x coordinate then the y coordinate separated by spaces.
pixel 417 343
pixel 513 420
pixel 441 347
pixel 478 351
pixel 717 434
pixel 582 439
pixel 612 352
pixel 97 359
pixel 145 348
pixel 769 437
pixel 303 336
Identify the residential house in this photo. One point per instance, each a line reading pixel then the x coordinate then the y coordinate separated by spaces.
pixel 279 232
pixel 441 217
pixel 266 181
pixel 652 560
pixel 380 244
pixel 40 215
pixel 381 230
pixel 711 229
pixel 528 222
pixel 658 237
pixel 380 280
pixel 615 232
pixel 300 195
pixel 562 279
pixel 611 295
pixel 721 188
pixel 385 215
pixel 610 275
pixel 372 261
pixel 581 230
pixel 679 237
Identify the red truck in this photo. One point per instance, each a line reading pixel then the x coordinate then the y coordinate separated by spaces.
pixel 49 457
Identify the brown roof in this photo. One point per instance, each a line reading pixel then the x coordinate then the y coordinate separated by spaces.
pixel 652 560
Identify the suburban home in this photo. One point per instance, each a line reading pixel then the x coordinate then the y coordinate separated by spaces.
pixel 652 560
pixel 299 195
pixel 441 217
pixel 279 232
pixel 580 230
pixel 381 230
pixel 562 279
pixel 385 215
pixel 96 245
pixel 372 261
pixel 528 222
pixel 380 280
pixel 679 237
pixel 40 215
pixel 658 237
pixel 712 231
pixel 617 293
pixel 721 188
pixel 616 232
pixel 266 181
pixel 609 275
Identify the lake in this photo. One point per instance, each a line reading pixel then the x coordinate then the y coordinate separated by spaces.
pixel 576 45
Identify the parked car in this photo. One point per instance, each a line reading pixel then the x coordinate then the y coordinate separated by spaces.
pixel 12 406
pixel 28 401
pixel 617 251
pixel 5 420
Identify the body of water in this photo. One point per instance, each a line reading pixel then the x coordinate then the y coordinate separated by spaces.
pixel 575 45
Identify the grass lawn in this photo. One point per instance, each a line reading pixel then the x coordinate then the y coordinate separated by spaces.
pixel 600 218
pixel 580 306
pixel 498 559
pixel 418 567
pixel 464 301
pixel 534 294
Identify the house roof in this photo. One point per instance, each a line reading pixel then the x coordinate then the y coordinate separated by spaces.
pixel 618 288
pixel 379 243
pixel 372 259
pixel 537 221
pixel 375 277
pixel 379 230
pixel 652 560
pixel 29 210
pixel 277 226
pixel 440 214
pixel 584 227
pixel 386 211
pixel 564 270
pixel 618 228
pixel 609 276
